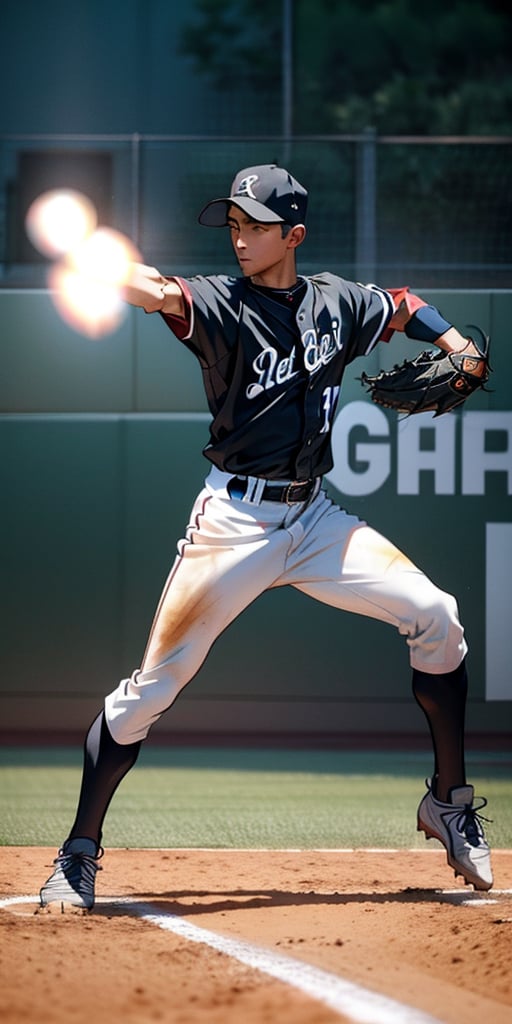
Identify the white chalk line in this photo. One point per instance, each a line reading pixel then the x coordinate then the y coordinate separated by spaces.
pixel 298 849
pixel 344 997
pixel 459 897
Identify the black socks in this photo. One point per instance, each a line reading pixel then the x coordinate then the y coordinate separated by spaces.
pixel 442 698
pixel 105 765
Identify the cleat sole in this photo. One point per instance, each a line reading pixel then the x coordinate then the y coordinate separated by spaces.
pixel 62 907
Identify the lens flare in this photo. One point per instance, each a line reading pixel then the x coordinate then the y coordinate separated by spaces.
pixel 91 263
pixel 58 220
pixel 104 256
pixel 87 283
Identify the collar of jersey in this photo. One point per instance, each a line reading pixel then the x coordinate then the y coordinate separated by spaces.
pixel 284 295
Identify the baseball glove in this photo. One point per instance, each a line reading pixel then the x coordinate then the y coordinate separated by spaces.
pixel 432 382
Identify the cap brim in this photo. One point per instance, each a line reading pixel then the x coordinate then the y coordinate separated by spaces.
pixel 215 214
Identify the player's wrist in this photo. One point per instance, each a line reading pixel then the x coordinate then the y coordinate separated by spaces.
pixel 452 341
pixel 144 287
pixel 427 325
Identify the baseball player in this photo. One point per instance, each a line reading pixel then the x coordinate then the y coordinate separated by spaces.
pixel 273 347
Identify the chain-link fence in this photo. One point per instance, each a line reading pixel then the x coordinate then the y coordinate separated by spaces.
pixel 431 212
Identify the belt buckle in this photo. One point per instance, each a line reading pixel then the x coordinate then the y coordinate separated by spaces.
pixel 288 493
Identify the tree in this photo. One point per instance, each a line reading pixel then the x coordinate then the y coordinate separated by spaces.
pixel 400 66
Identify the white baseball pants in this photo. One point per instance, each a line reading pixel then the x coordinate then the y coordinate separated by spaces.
pixel 234 550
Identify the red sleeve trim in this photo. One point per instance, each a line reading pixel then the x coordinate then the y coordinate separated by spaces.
pixel 412 302
pixel 181 326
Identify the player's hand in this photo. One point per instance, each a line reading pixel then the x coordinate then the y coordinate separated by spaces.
pixel 144 287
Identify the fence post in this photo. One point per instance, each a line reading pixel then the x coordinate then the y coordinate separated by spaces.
pixel 287 77
pixel 135 189
pixel 366 206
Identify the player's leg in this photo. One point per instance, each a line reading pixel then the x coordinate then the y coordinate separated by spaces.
pixel 228 557
pixel 354 568
pixel 384 583
pixel 231 555
pixel 442 699
pixel 105 764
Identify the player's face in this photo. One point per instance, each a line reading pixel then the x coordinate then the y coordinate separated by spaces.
pixel 259 248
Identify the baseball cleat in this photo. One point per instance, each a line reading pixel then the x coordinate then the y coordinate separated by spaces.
pixel 457 825
pixel 72 882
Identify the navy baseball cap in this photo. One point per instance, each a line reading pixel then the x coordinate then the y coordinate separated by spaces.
pixel 266 193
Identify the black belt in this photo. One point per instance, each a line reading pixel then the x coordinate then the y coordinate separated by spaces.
pixel 289 493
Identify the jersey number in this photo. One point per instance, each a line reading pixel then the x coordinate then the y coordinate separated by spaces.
pixel 330 398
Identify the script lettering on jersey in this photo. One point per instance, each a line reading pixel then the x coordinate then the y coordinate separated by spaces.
pixel 318 351
pixel 270 371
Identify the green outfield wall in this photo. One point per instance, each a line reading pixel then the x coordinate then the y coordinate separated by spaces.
pixel 101 458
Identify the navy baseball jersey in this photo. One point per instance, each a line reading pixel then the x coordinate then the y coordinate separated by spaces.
pixel 272 364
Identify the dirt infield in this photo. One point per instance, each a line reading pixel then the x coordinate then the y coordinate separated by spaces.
pixel 394 923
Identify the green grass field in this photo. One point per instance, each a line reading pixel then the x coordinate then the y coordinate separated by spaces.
pixel 209 797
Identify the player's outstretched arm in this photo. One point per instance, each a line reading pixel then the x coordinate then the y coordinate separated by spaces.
pixel 148 288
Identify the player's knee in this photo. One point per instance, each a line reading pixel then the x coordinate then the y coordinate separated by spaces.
pixel 138 702
pixel 437 639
